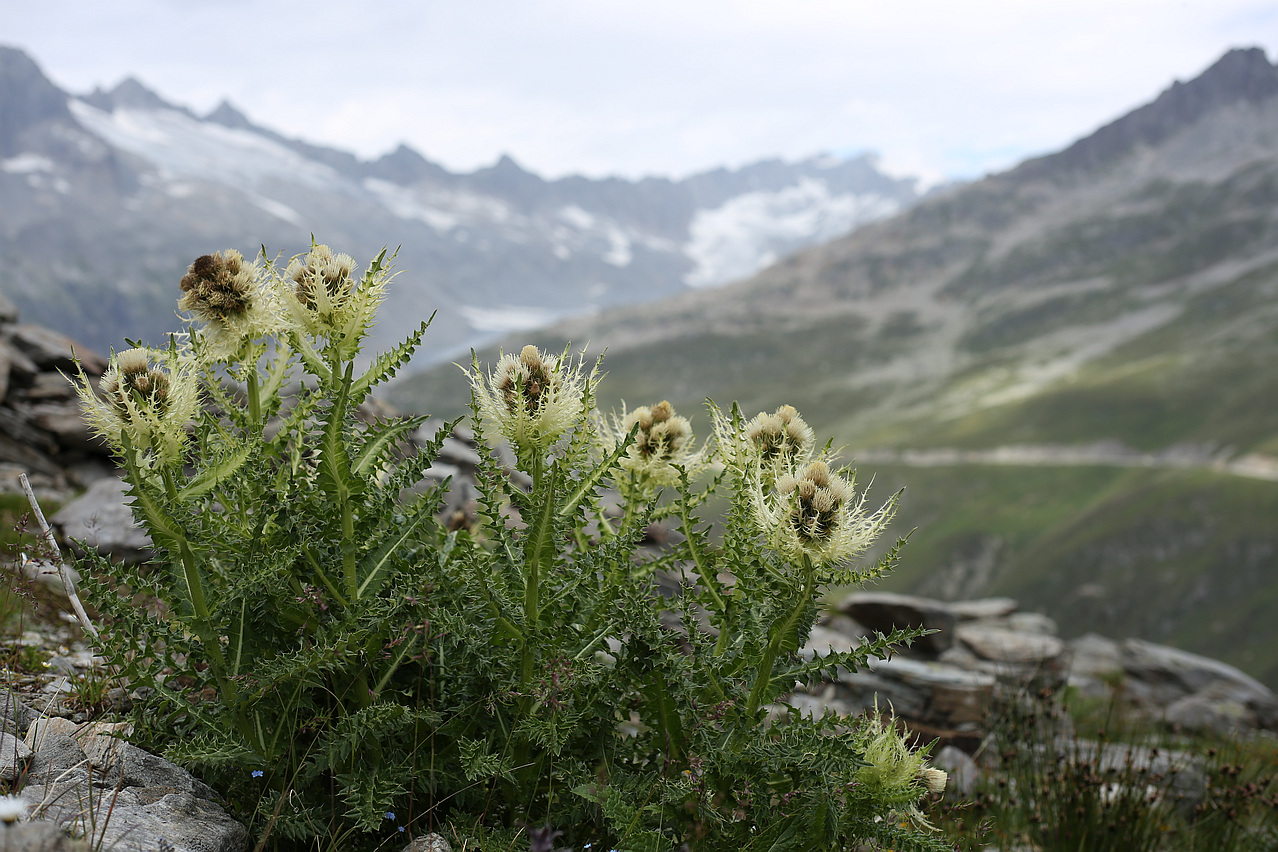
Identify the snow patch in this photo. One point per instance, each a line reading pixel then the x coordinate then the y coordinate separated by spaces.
pixel 752 230
pixel 26 163
pixel 507 318
pixel 618 254
pixel 277 209
pixel 442 210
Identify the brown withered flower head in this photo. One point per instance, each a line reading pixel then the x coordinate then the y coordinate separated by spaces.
pixel 218 287
pixel 226 295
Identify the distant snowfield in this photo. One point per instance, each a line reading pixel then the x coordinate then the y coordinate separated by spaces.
pixel 183 146
pixel 753 230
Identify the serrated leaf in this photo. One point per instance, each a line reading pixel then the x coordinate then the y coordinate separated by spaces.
pixel 214 475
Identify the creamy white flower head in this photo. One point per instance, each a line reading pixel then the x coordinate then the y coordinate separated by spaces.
pixel 770 444
pixel 817 514
pixel 231 300
pixel 892 769
pixel 533 398
pixel 321 295
pixel 663 444
pixel 148 394
pixel 934 779
pixel 12 808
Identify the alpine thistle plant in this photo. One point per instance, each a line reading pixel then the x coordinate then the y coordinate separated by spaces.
pixel 344 666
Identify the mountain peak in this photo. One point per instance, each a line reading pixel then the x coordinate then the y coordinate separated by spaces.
pixel 228 116
pixel 1242 74
pixel 130 93
pixel 27 98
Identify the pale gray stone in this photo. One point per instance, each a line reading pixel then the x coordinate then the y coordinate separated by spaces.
pixel 38 836
pixel 429 843
pixel 1010 646
pixel 103 519
pixel 14 754
pixel 1171 674
pixel 15 716
pixel 982 608
pixel 51 350
pixel 963 771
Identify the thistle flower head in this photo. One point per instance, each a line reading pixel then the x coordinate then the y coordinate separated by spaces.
pixel 148 395
pixel 817 515
pixel 934 780
pixel 662 446
pixel 321 294
pixel 769 445
pixel 532 398
pixel 227 296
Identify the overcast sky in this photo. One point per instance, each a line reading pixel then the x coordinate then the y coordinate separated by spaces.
pixel 951 88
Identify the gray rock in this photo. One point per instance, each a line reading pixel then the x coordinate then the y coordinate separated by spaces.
pixel 1030 622
pixel 102 518
pixel 822 641
pixel 14 753
pixel 885 611
pixel 55 755
pixel 38 836
pixel 5 361
pixel 15 715
pixel 455 452
pixel 963 771
pixel 1212 711
pixel 1170 674
pixel 1002 645
pixel 935 695
pixel 8 310
pixel 51 350
pixel 62 420
pixel 429 843
pixel 982 608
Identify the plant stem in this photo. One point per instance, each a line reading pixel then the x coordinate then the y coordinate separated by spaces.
pixel 781 630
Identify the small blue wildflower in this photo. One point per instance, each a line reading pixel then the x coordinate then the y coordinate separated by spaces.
pixel 390 814
pixel 257 773
pixel 401 828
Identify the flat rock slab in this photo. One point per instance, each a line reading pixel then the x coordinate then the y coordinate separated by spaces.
pixel 887 611
pixel 1002 645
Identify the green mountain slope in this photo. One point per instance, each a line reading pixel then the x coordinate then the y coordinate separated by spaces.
pixel 1117 299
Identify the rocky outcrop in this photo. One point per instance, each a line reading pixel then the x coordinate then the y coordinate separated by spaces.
pixel 947 687
pixel 41 431
pixel 82 780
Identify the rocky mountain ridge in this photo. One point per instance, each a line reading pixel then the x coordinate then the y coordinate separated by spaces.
pixel 109 196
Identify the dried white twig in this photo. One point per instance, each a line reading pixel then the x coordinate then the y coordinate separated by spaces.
pixel 64 570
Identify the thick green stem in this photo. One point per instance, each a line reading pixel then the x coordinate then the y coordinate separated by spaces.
pixel 254 399
pixel 538 531
pixel 781 629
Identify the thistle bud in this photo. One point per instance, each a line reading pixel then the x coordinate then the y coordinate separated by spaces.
pixel 662 446
pixel 321 294
pixel 147 395
pixel 816 514
pixel 934 780
pixel 532 398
